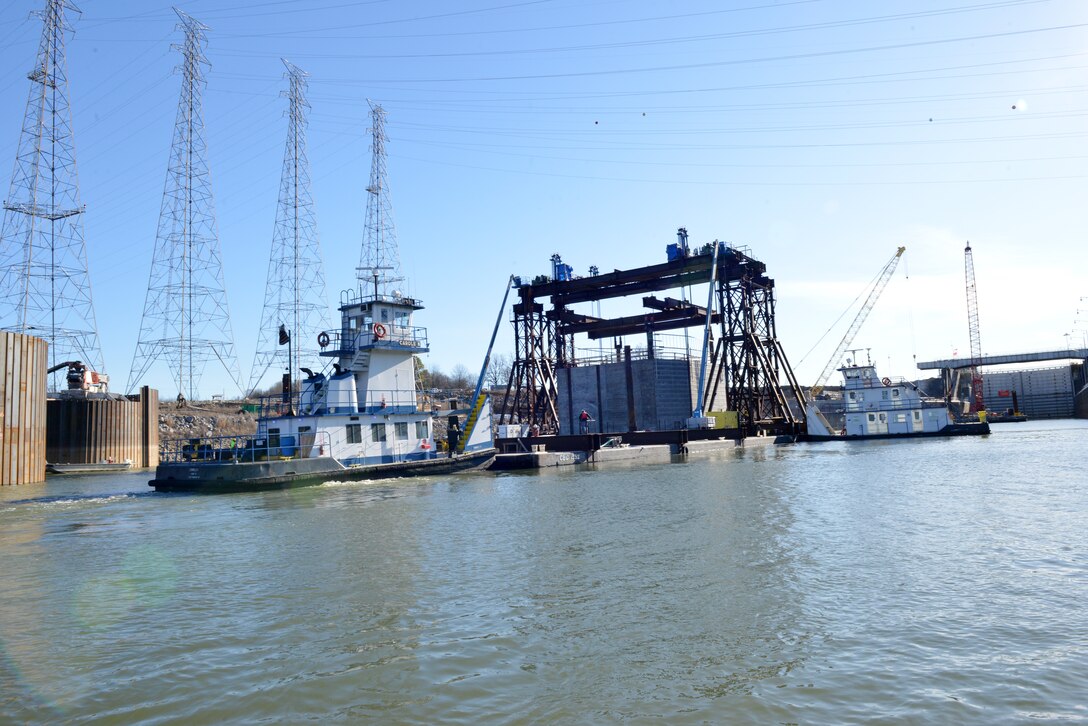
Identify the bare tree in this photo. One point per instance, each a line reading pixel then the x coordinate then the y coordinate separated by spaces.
pixel 498 372
pixel 460 377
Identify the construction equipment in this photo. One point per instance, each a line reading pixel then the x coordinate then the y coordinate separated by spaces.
pixel 81 378
pixel 977 404
pixel 866 308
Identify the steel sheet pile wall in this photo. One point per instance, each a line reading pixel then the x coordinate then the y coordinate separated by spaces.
pixel 87 431
pixel 22 411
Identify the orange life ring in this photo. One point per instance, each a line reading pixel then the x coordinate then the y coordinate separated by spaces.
pixel 323 339
pixel 886 381
pixel 379 331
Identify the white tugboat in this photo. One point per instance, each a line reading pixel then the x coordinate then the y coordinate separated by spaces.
pixel 361 419
pixel 884 408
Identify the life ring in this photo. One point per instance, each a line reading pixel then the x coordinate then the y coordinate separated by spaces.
pixel 424 444
pixel 379 331
pixel 886 381
pixel 323 339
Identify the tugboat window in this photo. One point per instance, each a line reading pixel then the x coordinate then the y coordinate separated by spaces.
pixel 421 429
pixel 355 433
pixel 377 432
pixel 400 430
pixel 872 417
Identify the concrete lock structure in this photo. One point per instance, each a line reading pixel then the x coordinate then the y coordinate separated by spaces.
pixel 23 361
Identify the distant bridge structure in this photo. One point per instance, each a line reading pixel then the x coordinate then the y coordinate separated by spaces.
pixel 1043 392
pixel 1006 359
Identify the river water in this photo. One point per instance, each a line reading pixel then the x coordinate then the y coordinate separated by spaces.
pixel 927 581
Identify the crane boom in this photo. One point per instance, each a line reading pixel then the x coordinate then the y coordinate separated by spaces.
pixel 972 328
pixel 866 308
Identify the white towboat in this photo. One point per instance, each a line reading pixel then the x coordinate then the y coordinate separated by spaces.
pixel 883 408
pixel 361 419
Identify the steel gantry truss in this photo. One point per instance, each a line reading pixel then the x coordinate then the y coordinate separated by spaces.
pixel 747 357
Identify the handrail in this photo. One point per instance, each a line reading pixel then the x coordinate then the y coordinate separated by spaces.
pixel 249 448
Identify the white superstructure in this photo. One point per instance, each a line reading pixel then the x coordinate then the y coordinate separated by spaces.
pixel 366 409
pixel 875 406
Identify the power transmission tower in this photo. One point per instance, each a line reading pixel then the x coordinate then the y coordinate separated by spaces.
pixel 380 260
pixel 186 323
pixel 44 286
pixel 295 293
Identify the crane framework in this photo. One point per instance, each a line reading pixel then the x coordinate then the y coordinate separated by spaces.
pixel 977 403
pixel 747 355
pixel 866 308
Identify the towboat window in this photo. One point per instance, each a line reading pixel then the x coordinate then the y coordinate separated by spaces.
pixel 883 418
pixel 273 438
pixel 377 432
pixel 872 417
pixel 421 429
pixel 884 395
pixel 852 396
pixel 400 430
pixel 917 415
pixel 355 433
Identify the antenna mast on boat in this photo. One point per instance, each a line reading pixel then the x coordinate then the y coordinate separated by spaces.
pixel 380 251
pixel 295 292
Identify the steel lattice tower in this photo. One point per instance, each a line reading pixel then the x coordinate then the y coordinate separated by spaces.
pixel 45 289
pixel 380 260
pixel 186 323
pixel 977 402
pixel 295 293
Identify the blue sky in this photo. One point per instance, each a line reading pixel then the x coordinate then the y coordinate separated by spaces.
pixel 819 134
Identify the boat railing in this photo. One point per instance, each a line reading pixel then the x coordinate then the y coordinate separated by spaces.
pixel 379 402
pixel 303 445
pixel 391 336
pixel 346 343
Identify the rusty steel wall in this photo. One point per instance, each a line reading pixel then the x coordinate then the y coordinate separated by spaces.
pixel 22 408
pixel 94 430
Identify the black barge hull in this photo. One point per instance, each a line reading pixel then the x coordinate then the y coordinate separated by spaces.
pixel 231 477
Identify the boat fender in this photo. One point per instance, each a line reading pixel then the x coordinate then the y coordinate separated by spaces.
pixel 886 381
pixel 379 331
pixel 323 339
pixel 424 444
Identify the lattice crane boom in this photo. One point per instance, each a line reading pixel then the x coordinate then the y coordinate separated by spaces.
pixel 866 308
pixel 977 403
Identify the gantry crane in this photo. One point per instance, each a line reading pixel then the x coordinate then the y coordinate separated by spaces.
pixel 977 404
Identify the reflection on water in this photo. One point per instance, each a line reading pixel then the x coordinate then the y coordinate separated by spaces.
pixel 926 581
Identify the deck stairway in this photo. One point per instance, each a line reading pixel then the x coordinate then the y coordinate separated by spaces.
pixel 470 422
